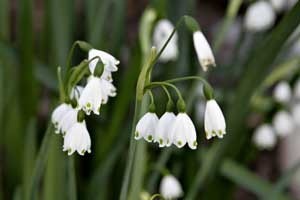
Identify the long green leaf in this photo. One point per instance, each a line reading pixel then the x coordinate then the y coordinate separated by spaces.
pixel 4 20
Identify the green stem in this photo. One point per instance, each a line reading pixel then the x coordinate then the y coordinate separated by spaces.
pixel 40 162
pixel 199 78
pixel 132 147
pixel 72 192
pixel 161 84
pixel 70 55
pixel 157 195
pixel 151 97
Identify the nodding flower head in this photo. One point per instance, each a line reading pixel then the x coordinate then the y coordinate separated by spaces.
pixel 110 62
pixel 264 137
pixel 170 187
pixel 145 127
pixel 282 92
pixel 162 131
pixel 57 115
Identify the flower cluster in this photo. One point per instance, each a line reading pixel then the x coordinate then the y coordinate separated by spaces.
pixel 179 129
pixel 68 117
pixel 285 121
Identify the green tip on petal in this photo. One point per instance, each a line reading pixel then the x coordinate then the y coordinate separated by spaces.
pixel 191 24
pixel 150 137
pixel 136 134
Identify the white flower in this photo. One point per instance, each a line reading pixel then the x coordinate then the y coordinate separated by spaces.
pixel 146 127
pixel 260 16
pixel 264 137
pixel 110 62
pixel 162 132
pixel 76 92
pixel 170 188
pixel 203 50
pixel 296 114
pixel 91 97
pixel 297 89
pixel 283 123
pixel 108 90
pixel 57 115
pixel 279 5
pixel 68 120
pixel 77 139
pixel 282 92
pixel 214 121
pixel 162 31
pixel 183 131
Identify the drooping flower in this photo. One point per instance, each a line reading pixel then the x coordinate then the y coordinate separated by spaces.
pixel 110 62
pixel 283 123
pixel 146 126
pixel 264 137
pixel 77 139
pixel 91 97
pixel 162 131
pixel 183 131
pixel 68 120
pixel 108 90
pixel 296 114
pixel 214 121
pixel 203 50
pixel 161 33
pixel 282 92
pixel 170 188
pixel 57 115
pixel 260 16
pixel 279 5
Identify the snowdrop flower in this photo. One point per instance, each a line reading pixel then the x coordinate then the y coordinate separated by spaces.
pixel 57 115
pixel 183 131
pixel 162 132
pixel 107 90
pixel 162 31
pixel 170 188
pixel 282 92
pixel 264 137
pixel 296 114
pixel 146 127
pixel 77 139
pixel 260 16
pixel 297 89
pixel 283 123
pixel 110 62
pixel 279 5
pixel 91 97
pixel 69 119
pixel 214 121
pixel 203 50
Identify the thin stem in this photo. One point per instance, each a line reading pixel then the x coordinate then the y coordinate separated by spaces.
pixel 157 195
pixel 199 78
pixel 161 84
pixel 40 162
pixel 132 147
pixel 167 93
pixel 72 192
pixel 151 97
pixel 70 55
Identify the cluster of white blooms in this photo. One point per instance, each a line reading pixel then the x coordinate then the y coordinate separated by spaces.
pixel 170 188
pixel 68 118
pixel 285 121
pixel 179 130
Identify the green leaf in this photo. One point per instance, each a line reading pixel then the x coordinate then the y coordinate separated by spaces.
pixel 4 20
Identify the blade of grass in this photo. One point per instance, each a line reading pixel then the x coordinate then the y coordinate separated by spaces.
pixel 4 20
pixel 256 70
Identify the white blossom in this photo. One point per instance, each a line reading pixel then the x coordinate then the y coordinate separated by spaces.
pixel 203 51
pixel 146 127
pixel 279 5
pixel 183 131
pixel 162 131
pixel 283 123
pixel 170 188
pixel 110 62
pixel 282 92
pixel 264 137
pixel 296 114
pixel 214 121
pixel 77 139
pixel 68 120
pixel 57 115
pixel 108 90
pixel 162 31
pixel 260 16
pixel 91 97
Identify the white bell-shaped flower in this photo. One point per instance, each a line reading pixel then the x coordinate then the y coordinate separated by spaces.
pixel 296 114
pixel 183 131
pixel 214 121
pixel 170 188
pixel 110 62
pixel 282 92
pixel 91 97
pixel 203 51
pixel 108 90
pixel 77 139
pixel 297 90
pixel 264 137
pixel 260 16
pixel 283 123
pixel 69 119
pixel 279 5
pixel 146 126
pixel 57 115
pixel 162 31
pixel 162 132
